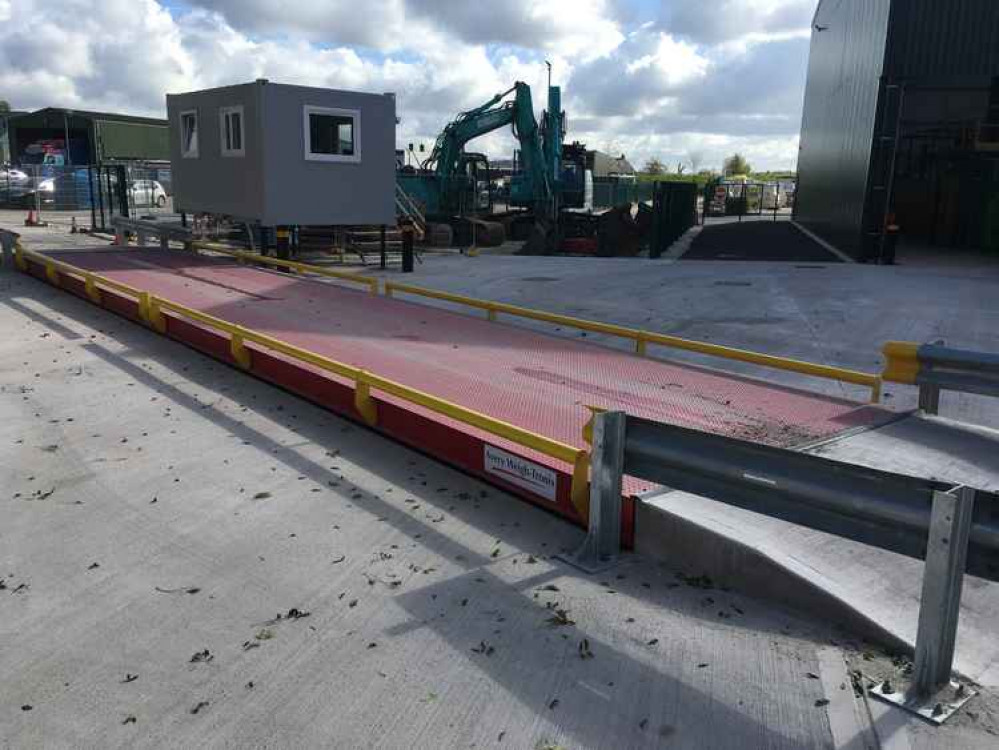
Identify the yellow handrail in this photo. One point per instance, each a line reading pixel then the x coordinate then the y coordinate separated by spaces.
pixel 151 307
pixel 643 338
pixel 291 265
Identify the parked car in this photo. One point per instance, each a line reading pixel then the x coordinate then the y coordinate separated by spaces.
pixel 14 184
pixel 147 193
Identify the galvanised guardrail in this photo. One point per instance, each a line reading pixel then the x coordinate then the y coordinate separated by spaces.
pixel 952 527
pixel 935 368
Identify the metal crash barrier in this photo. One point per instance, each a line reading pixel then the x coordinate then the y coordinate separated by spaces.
pixel 935 368
pixel 954 528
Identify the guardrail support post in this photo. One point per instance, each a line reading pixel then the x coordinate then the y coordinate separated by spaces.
pixel 91 288
pixel 603 539
pixel 929 398
pixel 239 352
pixel 932 694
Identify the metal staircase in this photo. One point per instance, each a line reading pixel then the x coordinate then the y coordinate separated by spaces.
pixel 406 208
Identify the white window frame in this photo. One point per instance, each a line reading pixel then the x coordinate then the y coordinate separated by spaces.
pixel 353 114
pixel 190 153
pixel 224 112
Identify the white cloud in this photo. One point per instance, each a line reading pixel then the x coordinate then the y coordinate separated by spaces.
pixel 677 62
pixel 667 84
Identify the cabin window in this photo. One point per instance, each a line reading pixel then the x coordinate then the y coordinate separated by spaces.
pixel 231 130
pixel 332 134
pixel 189 134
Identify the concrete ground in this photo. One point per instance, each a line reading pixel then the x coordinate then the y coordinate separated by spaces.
pixel 191 558
pixel 263 493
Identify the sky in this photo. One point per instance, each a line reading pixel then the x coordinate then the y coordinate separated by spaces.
pixel 683 81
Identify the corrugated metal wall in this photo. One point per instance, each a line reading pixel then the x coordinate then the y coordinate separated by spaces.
pixel 944 39
pixel 841 100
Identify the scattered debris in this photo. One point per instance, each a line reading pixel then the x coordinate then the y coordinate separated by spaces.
pixel 261 496
pixel 484 648
pixel 264 634
pixel 249 685
pixel 27 707
pixel 549 587
pixel 247 645
pixel 372 645
pixel 339 560
pixel 553 704
pixel 129 720
pixel 697 582
pixel 811 675
pixel 821 702
pixel 129 677
pixel 200 705
pixel 181 590
pixel 561 617
pixel 653 642
pixel 702 665
pixel 202 657
pixel 93 566
pixel 584 649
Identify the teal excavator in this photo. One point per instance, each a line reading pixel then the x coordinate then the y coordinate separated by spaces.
pixel 454 185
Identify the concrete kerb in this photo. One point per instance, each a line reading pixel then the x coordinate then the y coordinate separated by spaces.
pixel 818 240
pixel 680 247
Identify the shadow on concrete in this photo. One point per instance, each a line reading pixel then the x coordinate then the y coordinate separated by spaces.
pixel 527 678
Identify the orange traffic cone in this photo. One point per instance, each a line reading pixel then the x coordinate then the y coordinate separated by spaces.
pixel 31 221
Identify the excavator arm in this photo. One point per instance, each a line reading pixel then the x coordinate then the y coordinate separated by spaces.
pixel 535 186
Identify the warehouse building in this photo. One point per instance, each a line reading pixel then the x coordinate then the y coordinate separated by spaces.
pixel 901 125
pixel 75 137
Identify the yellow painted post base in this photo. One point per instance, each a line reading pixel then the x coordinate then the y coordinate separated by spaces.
pixel 364 404
pixel 91 287
pixel 239 351
pixel 580 493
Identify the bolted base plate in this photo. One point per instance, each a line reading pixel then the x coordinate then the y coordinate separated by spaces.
pixel 935 708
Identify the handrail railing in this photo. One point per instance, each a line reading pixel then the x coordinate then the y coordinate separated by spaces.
pixel 404 201
pixel 151 311
pixel 291 265
pixel 643 338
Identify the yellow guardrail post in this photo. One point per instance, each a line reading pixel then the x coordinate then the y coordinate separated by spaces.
pixel 389 286
pixel 901 362
pixel 640 345
pixel 156 319
pixel 90 285
pixel 144 306
pixel 51 273
pixel 588 427
pixel 491 314
pixel 363 402
pixel 237 348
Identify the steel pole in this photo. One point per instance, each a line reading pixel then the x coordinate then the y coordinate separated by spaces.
pixel 602 545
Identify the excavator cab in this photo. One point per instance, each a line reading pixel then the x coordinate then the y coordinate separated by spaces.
pixel 477 195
